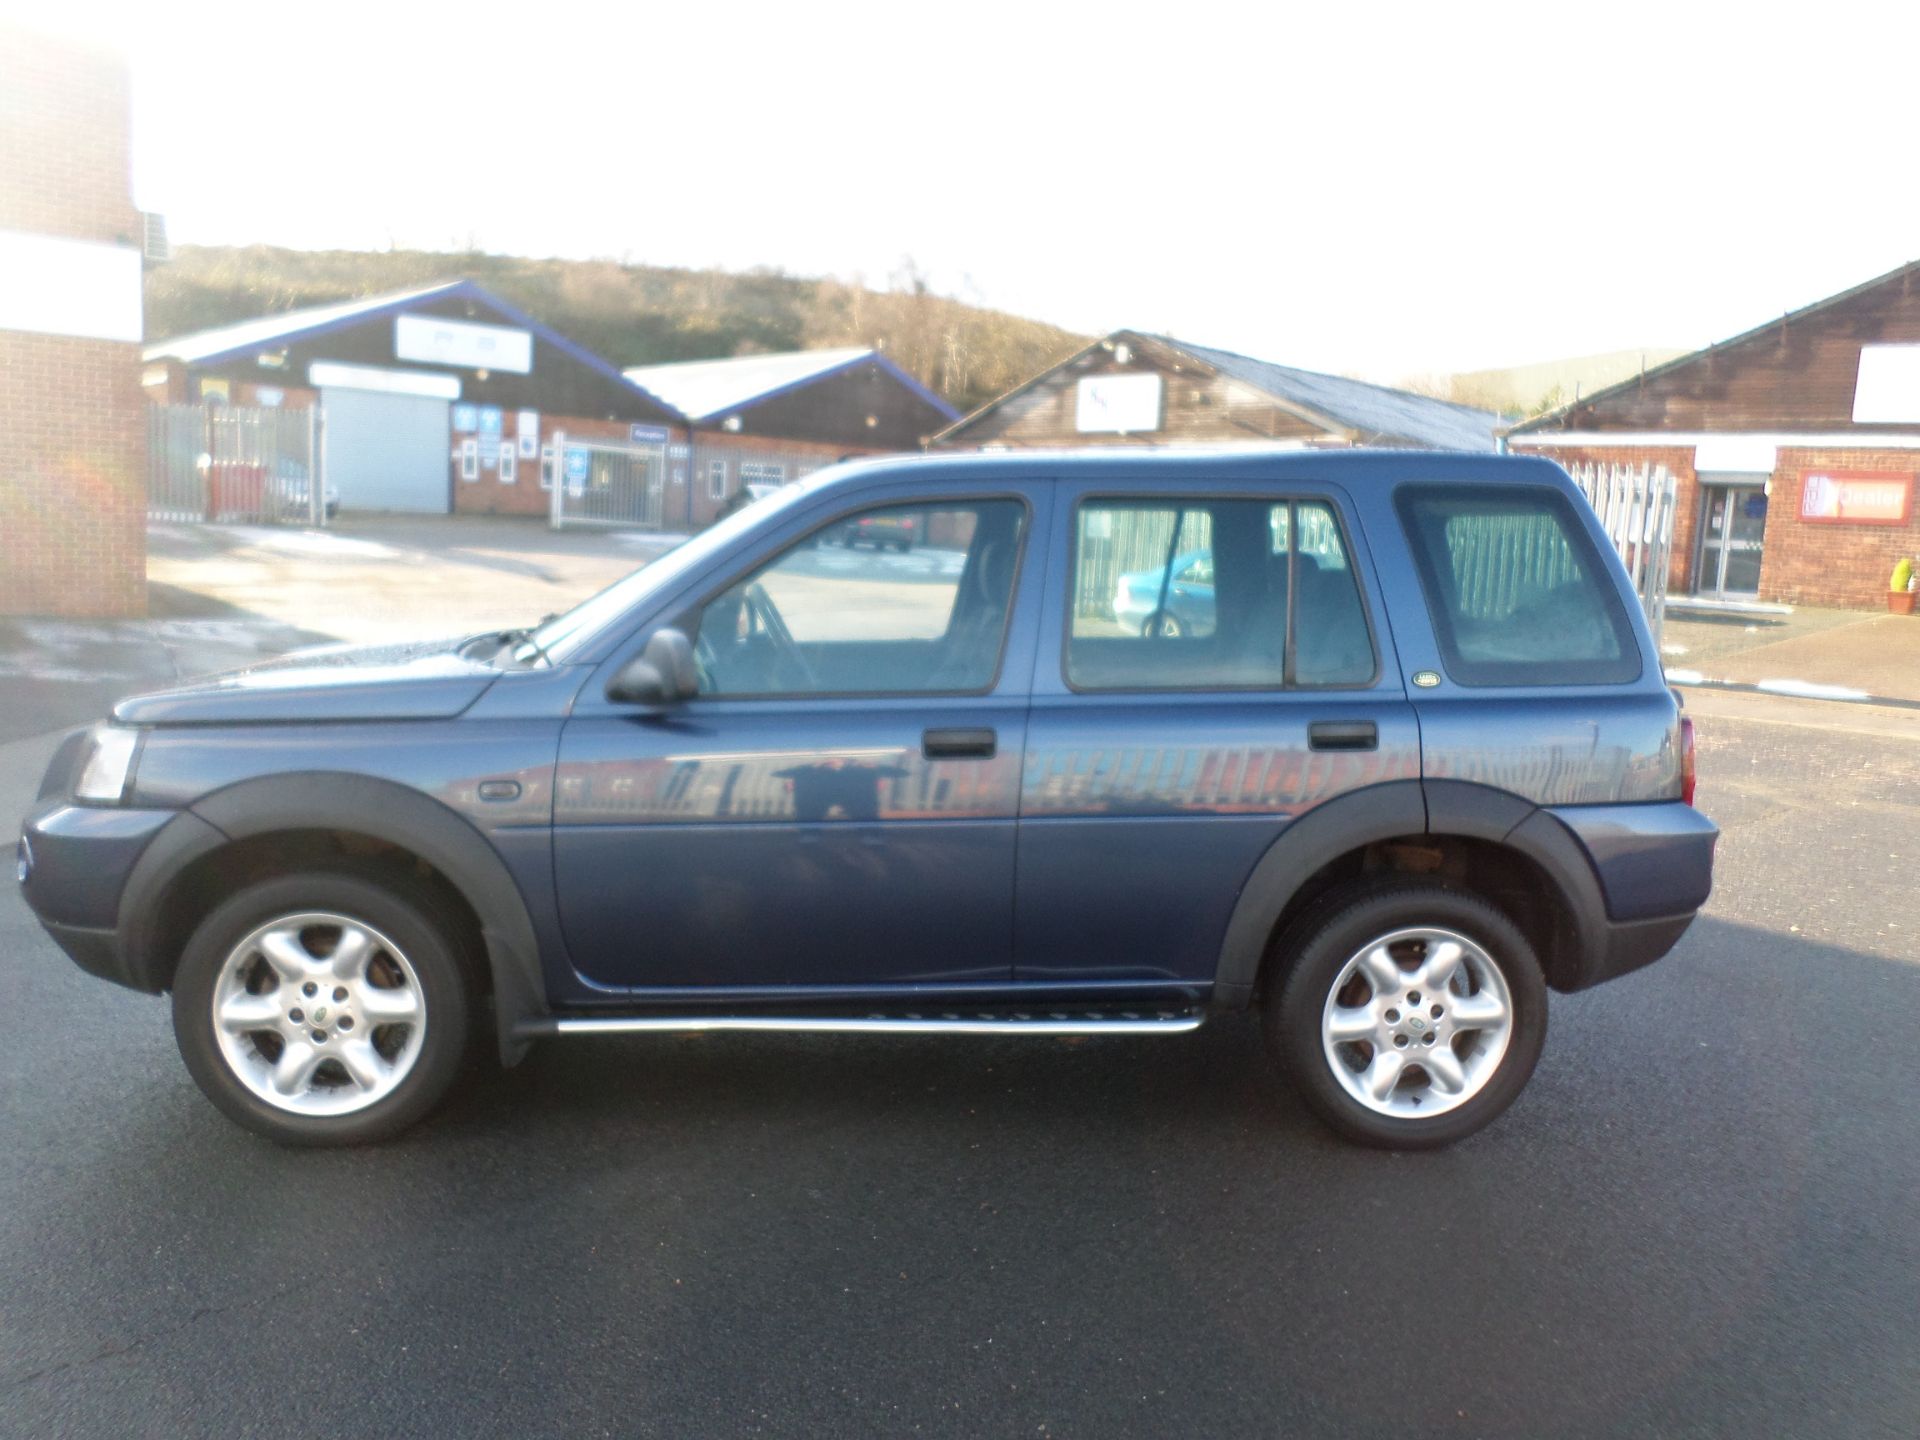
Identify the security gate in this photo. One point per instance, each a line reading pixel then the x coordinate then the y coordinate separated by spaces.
pixel 604 482
pixel 1635 506
pixel 232 463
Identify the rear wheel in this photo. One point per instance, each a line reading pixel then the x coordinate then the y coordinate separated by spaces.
pixel 1410 1015
pixel 1161 623
pixel 323 1008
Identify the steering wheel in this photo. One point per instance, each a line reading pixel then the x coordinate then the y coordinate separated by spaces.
pixel 760 605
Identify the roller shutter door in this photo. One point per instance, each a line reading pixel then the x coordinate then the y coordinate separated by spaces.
pixel 387 452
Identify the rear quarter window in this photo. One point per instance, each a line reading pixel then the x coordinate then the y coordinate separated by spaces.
pixel 1517 592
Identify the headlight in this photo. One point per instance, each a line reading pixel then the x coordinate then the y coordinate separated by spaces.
pixel 103 778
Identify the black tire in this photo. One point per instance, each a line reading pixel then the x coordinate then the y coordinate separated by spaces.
pixel 903 546
pixel 1314 952
pixel 1163 623
pixel 416 922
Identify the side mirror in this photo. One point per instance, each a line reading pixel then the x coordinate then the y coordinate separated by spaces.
pixel 662 674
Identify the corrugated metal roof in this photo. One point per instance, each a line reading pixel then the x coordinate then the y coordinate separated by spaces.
pixel 1376 412
pixel 706 389
pixel 287 325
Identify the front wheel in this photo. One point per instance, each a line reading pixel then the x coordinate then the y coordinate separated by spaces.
pixel 323 1008
pixel 1410 1015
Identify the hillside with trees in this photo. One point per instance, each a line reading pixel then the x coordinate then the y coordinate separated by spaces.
pixel 634 314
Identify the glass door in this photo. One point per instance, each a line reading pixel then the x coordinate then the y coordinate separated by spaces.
pixel 1733 527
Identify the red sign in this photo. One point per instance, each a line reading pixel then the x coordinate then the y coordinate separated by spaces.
pixel 1856 497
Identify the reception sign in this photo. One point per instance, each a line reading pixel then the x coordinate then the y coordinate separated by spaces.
pixel 1856 497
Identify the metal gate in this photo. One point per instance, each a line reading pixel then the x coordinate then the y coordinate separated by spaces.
pixel 236 464
pixel 1635 506
pixel 605 482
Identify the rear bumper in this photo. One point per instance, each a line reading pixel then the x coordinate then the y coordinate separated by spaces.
pixel 1652 869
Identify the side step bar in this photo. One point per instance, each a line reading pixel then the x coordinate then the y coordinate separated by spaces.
pixel 1168 1023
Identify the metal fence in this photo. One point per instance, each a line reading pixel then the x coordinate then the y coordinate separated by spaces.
pixel 606 482
pixel 236 464
pixel 1635 505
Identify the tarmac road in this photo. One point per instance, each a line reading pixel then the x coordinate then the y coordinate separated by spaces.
pixel 1702 1219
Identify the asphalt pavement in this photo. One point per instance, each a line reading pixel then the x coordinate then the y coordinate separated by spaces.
pixel 1702 1219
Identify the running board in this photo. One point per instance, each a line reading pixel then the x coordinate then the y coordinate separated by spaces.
pixel 1165 1023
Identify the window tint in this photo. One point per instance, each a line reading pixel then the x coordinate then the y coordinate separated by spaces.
pixel 1517 594
pixel 1214 594
pixel 894 600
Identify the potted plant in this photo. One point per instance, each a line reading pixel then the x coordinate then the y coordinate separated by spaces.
pixel 1902 587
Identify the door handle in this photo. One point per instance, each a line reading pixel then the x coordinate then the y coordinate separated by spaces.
pixel 958 744
pixel 1343 735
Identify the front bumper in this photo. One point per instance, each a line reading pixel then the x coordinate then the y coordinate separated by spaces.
pixel 74 863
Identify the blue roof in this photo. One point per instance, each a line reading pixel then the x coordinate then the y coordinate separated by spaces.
pixel 232 342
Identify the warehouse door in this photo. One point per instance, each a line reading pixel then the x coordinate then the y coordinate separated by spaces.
pixel 387 452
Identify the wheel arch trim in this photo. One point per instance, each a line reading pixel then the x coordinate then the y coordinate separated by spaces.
pixel 1412 807
pixel 361 804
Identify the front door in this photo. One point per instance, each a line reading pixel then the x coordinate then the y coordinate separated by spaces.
pixel 1733 527
pixel 837 806
pixel 1171 741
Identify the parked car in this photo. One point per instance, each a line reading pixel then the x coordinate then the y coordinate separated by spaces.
pixel 1175 599
pixel 879 531
pixel 290 493
pixel 1420 770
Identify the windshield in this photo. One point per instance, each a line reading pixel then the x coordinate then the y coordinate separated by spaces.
pixel 566 635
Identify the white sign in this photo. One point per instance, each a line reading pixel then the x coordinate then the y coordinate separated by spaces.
pixel 1735 455
pixel 527 428
pixel 54 286
pixel 1117 404
pixel 1888 389
pixel 459 342
pixel 392 382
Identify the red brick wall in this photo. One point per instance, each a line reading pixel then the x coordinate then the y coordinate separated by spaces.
pixel 1837 564
pixel 487 496
pixel 1845 566
pixel 72 476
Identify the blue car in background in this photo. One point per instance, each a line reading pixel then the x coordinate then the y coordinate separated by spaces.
pixel 1147 602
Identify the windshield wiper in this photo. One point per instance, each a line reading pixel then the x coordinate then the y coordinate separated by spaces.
pixel 514 639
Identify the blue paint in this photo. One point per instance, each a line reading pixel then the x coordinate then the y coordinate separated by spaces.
pixel 818 846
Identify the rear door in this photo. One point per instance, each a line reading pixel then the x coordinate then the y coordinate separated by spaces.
pixel 1163 760
pixel 837 806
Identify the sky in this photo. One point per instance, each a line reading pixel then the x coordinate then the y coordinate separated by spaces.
pixel 1383 190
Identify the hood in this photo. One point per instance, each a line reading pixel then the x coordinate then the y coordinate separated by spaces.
pixel 423 680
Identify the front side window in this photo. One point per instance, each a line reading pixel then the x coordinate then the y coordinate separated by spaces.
pixel 1516 590
pixel 833 619
pixel 1214 594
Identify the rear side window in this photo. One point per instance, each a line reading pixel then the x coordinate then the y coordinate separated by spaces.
pixel 1517 593
pixel 1214 594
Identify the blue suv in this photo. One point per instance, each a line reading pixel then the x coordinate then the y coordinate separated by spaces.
pixel 1412 766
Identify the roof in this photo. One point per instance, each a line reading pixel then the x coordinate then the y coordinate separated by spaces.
pixel 287 325
pixel 1374 411
pixel 1558 416
pixel 205 347
pixel 710 389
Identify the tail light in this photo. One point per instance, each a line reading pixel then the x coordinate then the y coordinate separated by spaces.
pixel 1686 759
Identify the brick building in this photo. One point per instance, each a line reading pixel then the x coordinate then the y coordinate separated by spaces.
pixel 1133 388
pixel 72 499
pixel 1795 447
pixel 439 399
